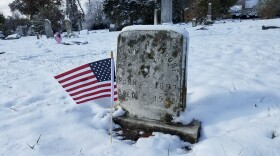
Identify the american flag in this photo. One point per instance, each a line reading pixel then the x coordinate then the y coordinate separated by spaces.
pixel 89 82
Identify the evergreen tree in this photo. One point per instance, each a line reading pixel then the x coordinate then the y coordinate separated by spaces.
pixel 73 13
pixel 219 8
pixel 40 10
pixel 129 12
pixel 2 20
pixel 38 20
pixel 12 22
pixel 30 8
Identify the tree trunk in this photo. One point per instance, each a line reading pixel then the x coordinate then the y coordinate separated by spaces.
pixel 79 3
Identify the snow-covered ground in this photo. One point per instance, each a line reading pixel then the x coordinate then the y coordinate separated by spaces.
pixel 233 89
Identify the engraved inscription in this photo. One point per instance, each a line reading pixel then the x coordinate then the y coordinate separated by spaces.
pixel 151 73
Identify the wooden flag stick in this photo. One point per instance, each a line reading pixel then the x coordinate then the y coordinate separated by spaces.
pixel 112 95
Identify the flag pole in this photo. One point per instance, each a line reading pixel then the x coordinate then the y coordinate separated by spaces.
pixel 112 94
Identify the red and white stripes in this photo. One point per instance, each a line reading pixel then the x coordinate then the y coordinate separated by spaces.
pixel 81 84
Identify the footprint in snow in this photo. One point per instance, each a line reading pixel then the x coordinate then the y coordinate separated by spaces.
pixel 34 99
pixel 47 50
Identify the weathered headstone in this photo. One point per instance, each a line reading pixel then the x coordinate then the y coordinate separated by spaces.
pixel 156 17
pixel 68 26
pixel 166 11
pixel 22 30
pixel 31 31
pixel 48 28
pixel 194 22
pixel 37 35
pixel 19 30
pixel 209 14
pixel 112 27
pixel 152 74
pixel 2 35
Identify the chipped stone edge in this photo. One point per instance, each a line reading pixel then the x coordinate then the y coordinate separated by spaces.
pixel 189 133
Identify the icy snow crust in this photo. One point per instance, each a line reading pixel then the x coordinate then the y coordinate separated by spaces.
pixel 233 88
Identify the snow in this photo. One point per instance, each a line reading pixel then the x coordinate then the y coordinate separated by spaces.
pixel 84 32
pixel 233 89
pixel 166 26
pixel 235 8
pixel 13 36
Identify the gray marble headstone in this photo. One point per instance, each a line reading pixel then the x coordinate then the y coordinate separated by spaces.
pixel 48 28
pixel 156 17
pixel 151 71
pixel 68 26
pixel 22 30
pixel 2 35
pixel 31 31
pixel 19 30
pixel 209 12
pixel 166 11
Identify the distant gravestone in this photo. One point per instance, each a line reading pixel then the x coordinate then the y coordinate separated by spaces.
pixel 31 31
pixel 112 27
pixel 2 35
pixel 209 12
pixel 151 73
pixel 22 30
pixel 152 79
pixel 166 11
pixel 68 26
pixel 156 17
pixel 19 30
pixel 48 29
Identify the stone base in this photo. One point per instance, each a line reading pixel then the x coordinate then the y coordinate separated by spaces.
pixel 189 133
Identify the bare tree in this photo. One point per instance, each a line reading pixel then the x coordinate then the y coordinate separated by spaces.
pixel 79 3
pixel 95 15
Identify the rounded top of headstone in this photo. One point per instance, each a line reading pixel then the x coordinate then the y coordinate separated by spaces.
pixel 67 19
pixel 48 21
pixel 179 30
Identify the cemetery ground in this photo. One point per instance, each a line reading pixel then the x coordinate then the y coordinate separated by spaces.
pixel 233 89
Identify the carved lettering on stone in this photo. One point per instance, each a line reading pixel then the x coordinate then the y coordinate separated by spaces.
pixel 151 73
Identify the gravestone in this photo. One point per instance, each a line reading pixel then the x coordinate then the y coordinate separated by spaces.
pixel 22 30
pixel 209 14
pixel 156 17
pixel 194 23
pixel 112 27
pixel 68 26
pixel 152 77
pixel 166 11
pixel 19 30
pixel 2 35
pixel 48 28
pixel 31 31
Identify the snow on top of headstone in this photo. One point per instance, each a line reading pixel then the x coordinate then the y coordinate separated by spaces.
pixel 157 27
pixel 13 36
pixel 236 8
pixel 67 19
